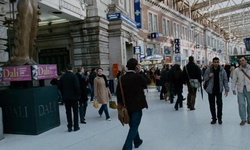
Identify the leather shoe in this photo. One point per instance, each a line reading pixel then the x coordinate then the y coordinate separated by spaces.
pixel 76 129
pixel 83 122
pixel 242 122
pixel 192 108
pixel 213 122
pixel 138 144
pixel 69 129
pixel 220 121
pixel 248 122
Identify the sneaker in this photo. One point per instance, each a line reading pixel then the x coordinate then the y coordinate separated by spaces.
pixel 213 122
pixel 242 122
pixel 108 119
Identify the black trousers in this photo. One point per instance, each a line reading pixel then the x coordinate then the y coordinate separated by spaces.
pixel 72 104
pixel 82 110
pixel 218 101
pixel 163 91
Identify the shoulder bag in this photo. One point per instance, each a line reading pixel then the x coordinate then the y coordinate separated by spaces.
pixel 205 84
pixel 193 82
pixel 122 109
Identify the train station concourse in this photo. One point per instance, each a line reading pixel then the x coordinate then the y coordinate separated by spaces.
pixel 162 128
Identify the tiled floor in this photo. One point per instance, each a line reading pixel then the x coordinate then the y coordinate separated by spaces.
pixel 162 128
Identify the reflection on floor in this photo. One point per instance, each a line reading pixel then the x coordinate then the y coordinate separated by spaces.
pixel 162 128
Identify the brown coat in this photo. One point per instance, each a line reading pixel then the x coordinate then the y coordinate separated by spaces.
pixel 101 91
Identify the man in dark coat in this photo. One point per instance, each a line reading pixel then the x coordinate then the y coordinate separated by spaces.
pixel 133 82
pixel 191 71
pixel 83 102
pixel 70 88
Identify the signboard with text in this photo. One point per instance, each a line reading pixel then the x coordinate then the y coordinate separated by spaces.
pixel 28 72
pixel 44 71
pixel 16 73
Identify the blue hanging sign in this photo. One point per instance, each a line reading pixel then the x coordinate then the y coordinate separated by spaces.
pixel 247 43
pixel 121 16
pixel 137 50
pixel 137 10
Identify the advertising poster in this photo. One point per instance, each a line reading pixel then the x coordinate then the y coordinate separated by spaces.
pixel 16 73
pixel 46 71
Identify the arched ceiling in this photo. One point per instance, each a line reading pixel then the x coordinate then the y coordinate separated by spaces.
pixel 231 16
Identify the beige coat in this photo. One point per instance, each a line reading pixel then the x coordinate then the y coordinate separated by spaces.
pixel 101 91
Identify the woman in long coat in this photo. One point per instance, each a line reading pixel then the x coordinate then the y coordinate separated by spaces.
pixel 102 93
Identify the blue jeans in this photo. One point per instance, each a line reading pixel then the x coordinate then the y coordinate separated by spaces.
pixel 91 92
pixel 104 108
pixel 133 133
pixel 243 99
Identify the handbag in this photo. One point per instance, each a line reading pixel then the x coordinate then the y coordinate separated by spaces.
pixel 112 104
pixel 193 82
pixel 122 109
pixel 95 104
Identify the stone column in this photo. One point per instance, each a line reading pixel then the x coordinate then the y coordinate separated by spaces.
pixel 4 56
pixel 90 43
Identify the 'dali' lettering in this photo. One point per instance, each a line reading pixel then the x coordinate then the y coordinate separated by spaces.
pixel 47 109
pixel 18 112
pixel 43 71
pixel 7 73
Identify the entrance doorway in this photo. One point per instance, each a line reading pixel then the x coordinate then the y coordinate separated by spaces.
pixel 58 56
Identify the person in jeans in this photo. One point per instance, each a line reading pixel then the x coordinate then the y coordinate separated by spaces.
pixel 70 88
pixel 191 71
pixel 133 82
pixel 216 77
pixel 102 93
pixel 241 82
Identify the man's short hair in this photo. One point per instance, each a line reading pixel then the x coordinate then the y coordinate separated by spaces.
pixel 191 59
pixel 131 64
pixel 215 58
pixel 70 67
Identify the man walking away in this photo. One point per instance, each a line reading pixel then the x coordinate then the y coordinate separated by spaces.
pixel 191 71
pixel 70 87
pixel 133 82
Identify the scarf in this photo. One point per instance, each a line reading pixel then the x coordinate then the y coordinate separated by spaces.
pixel 105 79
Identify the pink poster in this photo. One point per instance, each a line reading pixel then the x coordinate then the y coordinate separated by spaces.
pixel 16 73
pixel 46 71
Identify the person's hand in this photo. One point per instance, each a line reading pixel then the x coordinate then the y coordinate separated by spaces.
pixel 211 75
pixel 137 68
pixel 234 92
pixel 226 93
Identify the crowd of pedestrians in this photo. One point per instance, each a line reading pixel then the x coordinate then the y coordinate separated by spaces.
pixel 75 88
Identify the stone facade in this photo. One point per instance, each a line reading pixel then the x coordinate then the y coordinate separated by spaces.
pixel 4 56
